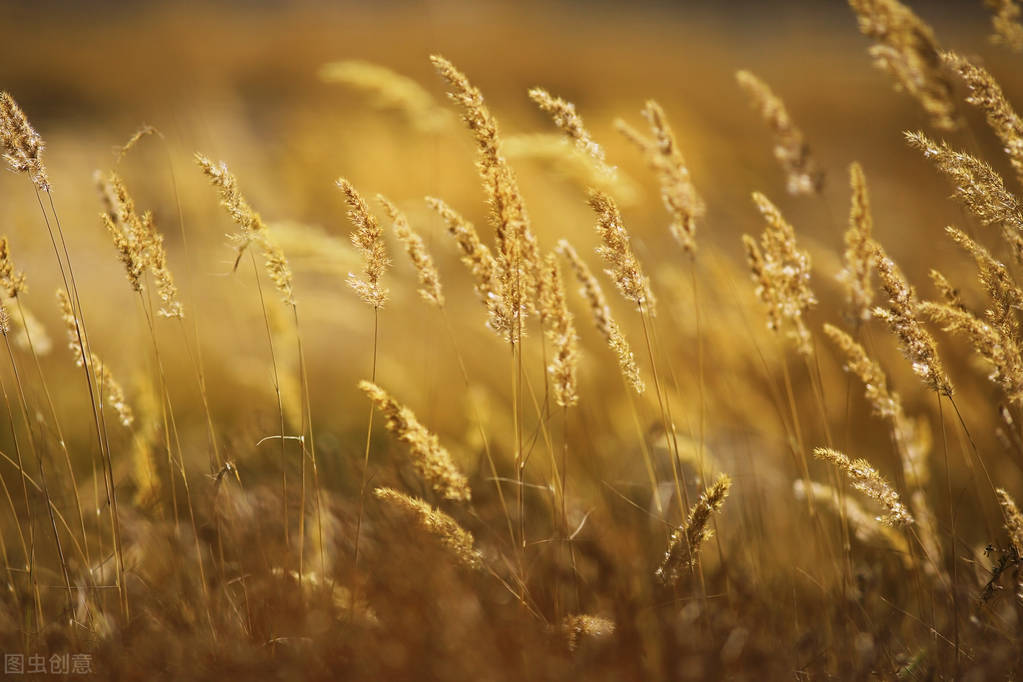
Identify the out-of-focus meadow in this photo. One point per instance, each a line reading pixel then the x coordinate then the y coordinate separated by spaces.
pixel 200 579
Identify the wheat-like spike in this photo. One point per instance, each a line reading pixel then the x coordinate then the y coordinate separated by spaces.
pixel 560 329
pixel 485 269
pixel 906 49
pixel 602 318
pixel 251 226
pixel 431 460
pixel 664 157
pixel 623 266
pixel 901 315
pixel 139 244
pixel 977 185
pixel 429 278
pixel 790 148
pixel 12 281
pixel 999 284
pixel 1005 19
pixel 987 95
pixel 685 542
pixel 909 435
pixel 368 238
pixel 157 258
pixel 571 123
pixel 859 251
pixel 1000 350
pixel 390 90
pixel 1013 519
pixel 518 250
pixel 105 379
pixel 868 481
pixel 884 402
pixel 22 146
pixel 868 529
pixel 781 273
pixel 579 626
pixel 451 535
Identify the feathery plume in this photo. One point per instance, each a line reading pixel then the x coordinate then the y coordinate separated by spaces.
pixel 977 185
pixel 665 158
pixel 623 267
pixel 560 329
pixel 431 460
pixel 570 123
pixel 139 244
pixel 429 278
pixel 781 273
pixel 136 137
pixel 390 90
pixel 252 228
pixel 684 545
pixel 602 318
pixel 1001 288
pixel 859 252
pixel 451 535
pixel 911 436
pixel 906 49
pixel 368 238
pixel 868 481
pixel 108 385
pixel 484 267
pixel 22 146
pixel 1001 351
pixel 1013 519
pixel 987 95
pixel 519 260
pixel 12 281
pixel 1005 19
pixel 917 344
pixel 790 148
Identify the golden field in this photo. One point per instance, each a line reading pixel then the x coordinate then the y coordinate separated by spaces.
pixel 198 482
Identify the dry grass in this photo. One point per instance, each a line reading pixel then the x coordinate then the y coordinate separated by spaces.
pixel 571 483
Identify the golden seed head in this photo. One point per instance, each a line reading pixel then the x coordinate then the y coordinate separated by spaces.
pixel 458 541
pixel 790 148
pixel 781 273
pixel 906 49
pixel 977 185
pixel 560 329
pixel 684 545
pixel 1005 19
pixel 664 157
pixel 902 318
pixel 429 278
pixel 570 123
pixel 867 480
pixel 430 459
pixel 21 144
pixel 1013 519
pixel 368 238
pixel 12 281
pixel 859 250
pixel 615 249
